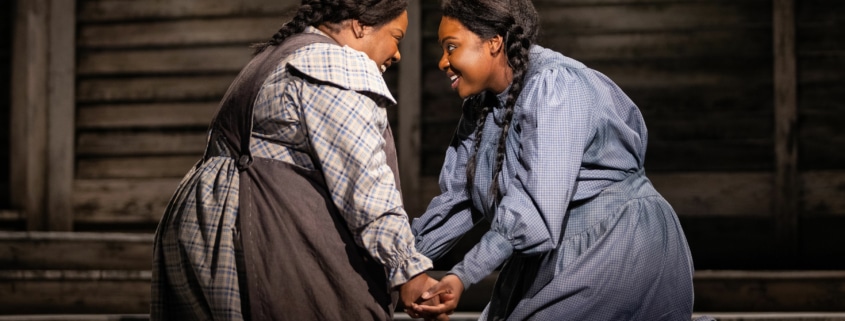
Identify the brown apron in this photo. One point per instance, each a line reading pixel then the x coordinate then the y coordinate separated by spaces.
pixel 300 261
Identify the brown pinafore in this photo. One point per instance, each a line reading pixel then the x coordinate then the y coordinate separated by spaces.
pixel 299 259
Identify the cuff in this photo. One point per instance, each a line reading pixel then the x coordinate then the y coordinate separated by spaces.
pixel 405 269
pixel 483 258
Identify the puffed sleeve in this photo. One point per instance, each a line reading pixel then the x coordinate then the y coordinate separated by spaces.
pixel 450 214
pixel 554 123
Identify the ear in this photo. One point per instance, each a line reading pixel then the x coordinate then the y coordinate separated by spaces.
pixel 496 45
pixel 357 28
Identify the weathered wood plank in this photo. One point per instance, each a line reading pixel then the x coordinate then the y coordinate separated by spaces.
pixel 662 44
pixel 750 291
pixel 28 292
pixel 135 167
pixel 122 200
pixel 141 143
pixel 158 115
pixel 9 215
pixel 29 112
pixel 229 59
pixel 640 17
pixel 153 89
pixel 75 251
pixel 408 139
pixel 61 113
pixel 786 212
pixel 179 33
pixel 823 192
pixel 685 73
pixel 716 194
pixel 125 10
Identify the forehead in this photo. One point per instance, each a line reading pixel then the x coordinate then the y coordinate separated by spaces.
pixel 450 27
pixel 400 22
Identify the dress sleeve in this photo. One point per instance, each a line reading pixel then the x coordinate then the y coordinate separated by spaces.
pixel 450 214
pixel 554 124
pixel 345 130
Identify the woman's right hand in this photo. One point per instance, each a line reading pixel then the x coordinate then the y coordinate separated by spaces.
pixel 448 290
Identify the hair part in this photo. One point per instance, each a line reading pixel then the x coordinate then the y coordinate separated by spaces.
pixel 374 13
pixel 517 22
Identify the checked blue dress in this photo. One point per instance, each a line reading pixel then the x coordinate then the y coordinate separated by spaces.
pixel 580 233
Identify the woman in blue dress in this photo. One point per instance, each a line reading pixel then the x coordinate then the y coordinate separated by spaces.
pixel 550 153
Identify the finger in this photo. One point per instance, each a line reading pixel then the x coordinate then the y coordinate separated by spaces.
pixel 434 291
pixel 412 313
pixel 433 309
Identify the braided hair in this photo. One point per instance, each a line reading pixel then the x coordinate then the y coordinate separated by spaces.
pixel 331 12
pixel 516 21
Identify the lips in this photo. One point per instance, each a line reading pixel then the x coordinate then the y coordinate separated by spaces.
pixel 455 79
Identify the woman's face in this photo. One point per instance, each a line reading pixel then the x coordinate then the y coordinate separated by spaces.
pixel 381 43
pixel 472 64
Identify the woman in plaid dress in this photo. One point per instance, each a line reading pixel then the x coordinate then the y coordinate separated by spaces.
pixel 294 212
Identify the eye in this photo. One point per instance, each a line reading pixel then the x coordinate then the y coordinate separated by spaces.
pixel 450 48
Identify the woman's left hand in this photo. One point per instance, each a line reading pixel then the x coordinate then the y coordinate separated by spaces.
pixel 449 290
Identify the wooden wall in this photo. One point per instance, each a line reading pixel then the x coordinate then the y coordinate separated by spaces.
pixel 151 74
pixel 702 72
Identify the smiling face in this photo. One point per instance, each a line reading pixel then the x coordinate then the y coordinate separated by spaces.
pixel 472 64
pixel 381 43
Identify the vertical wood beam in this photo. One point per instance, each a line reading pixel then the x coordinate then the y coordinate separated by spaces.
pixel 42 113
pixel 29 111
pixel 786 134
pixel 409 146
pixel 61 98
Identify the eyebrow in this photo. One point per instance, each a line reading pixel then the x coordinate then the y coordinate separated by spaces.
pixel 401 33
pixel 447 38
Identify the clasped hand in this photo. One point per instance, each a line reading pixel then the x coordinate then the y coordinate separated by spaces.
pixel 426 298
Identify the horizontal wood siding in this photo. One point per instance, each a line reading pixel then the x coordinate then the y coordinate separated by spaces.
pixel 150 77
pixel 700 71
pixel 820 30
pixel 820 50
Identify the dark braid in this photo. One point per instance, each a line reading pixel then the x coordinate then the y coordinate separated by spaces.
pixel 331 12
pixel 484 109
pixel 517 22
pixel 517 54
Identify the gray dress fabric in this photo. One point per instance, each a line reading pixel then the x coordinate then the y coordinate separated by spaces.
pixel 618 261
pixel 256 238
pixel 580 233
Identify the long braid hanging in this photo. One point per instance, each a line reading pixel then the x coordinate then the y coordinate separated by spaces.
pixel 310 13
pixel 517 46
pixel 479 105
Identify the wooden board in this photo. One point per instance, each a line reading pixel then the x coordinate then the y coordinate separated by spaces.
pixel 127 10
pixel 155 115
pixel 122 200
pixel 75 251
pixel 218 59
pixel 67 291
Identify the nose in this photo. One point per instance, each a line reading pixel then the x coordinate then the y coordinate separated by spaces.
pixel 396 57
pixel 443 64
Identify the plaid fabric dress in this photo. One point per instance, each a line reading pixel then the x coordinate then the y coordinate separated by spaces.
pixel 294 213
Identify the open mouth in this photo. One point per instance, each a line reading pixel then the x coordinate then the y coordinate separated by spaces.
pixel 454 79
